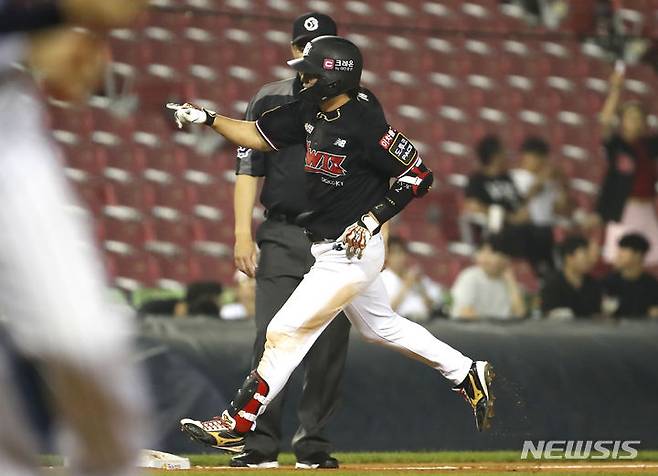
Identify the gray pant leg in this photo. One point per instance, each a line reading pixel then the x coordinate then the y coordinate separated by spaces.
pixel 271 294
pixel 324 365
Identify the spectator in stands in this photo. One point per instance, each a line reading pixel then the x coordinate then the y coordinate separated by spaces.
pixel 549 13
pixel 630 289
pixel 412 294
pixel 245 305
pixel 626 201
pixel 488 289
pixel 492 186
pixel 544 188
pixel 201 298
pixel 493 198
pixel 541 183
pixel 571 292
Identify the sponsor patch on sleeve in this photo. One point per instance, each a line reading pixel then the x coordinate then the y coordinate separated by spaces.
pixel 387 139
pixel 398 146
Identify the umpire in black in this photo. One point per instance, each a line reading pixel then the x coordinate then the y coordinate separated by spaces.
pixel 284 259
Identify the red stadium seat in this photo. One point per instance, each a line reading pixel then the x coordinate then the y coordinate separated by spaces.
pixel 446 71
pixel 138 267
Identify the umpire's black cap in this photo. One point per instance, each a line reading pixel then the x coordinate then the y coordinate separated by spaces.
pixel 311 25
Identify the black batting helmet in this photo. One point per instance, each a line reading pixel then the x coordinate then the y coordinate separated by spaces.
pixel 336 61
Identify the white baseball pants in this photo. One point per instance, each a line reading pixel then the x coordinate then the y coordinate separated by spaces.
pixel 54 294
pixel 334 283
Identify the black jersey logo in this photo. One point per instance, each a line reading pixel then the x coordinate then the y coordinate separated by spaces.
pixel 319 162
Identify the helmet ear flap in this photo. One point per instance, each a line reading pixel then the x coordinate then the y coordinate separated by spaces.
pixel 324 89
pixel 332 89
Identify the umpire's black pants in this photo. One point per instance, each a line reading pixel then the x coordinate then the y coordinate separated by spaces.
pixel 285 256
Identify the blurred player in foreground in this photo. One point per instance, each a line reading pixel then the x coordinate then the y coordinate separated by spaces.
pixel 52 284
pixel 351 155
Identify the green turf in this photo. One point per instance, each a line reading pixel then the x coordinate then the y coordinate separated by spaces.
pixel 218 459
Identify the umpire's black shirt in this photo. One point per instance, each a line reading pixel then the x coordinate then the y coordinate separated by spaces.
pixel 351 154
pixel 283 189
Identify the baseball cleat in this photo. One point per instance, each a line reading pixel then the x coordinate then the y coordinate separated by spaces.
pixel 254 459
pixel 320 460
pixel 217 432
pixel 476 390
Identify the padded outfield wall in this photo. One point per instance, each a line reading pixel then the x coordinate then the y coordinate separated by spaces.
pixel 556 380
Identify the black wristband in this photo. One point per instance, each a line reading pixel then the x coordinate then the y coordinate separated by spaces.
pixel 210 117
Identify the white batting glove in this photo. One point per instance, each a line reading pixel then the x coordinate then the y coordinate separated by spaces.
pixel 356 236
pixel 190 114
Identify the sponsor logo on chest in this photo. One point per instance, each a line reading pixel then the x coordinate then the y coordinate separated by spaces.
pixel 325 163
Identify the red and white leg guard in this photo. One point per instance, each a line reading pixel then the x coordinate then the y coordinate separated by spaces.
pixel 249 403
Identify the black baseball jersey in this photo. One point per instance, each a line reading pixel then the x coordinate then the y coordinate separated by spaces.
pixel 351 154
pixel 283 188
pixel 497 190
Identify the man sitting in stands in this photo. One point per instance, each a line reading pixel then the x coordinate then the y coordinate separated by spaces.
pixel 411 293
pixel 488 289
pixel 571 292
pixel 633 290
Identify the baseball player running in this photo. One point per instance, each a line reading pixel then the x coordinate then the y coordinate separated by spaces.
pixel 351 155
pixel 284 258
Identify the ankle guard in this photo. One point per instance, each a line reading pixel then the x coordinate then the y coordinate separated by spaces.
pixel 249 403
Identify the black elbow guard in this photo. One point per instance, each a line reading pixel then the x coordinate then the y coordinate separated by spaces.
pixel 418 178
pixel 425 184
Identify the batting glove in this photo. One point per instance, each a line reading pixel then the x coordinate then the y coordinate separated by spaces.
pixel 356 236
pixel 190 114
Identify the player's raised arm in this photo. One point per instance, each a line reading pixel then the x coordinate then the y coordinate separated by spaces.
pixel 242 133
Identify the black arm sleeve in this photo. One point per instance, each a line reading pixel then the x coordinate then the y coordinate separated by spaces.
pixel 18 18
pixel 393 155
pixel 283 126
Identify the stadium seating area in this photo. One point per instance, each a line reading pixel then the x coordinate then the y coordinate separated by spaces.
pixel 446 71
